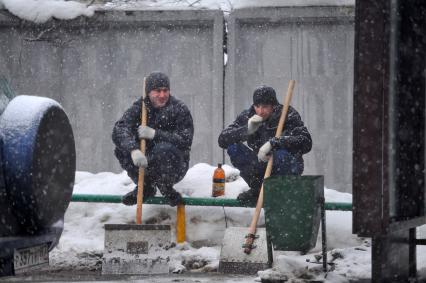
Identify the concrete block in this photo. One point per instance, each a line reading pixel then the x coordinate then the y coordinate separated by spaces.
pixel 136 249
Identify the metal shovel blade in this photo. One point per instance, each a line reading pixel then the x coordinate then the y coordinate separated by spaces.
pixel 136 249
pixel 232 257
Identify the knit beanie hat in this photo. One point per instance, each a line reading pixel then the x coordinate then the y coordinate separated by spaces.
pixel 264 95
pixel 156 80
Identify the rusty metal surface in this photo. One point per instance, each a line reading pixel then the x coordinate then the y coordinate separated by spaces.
pixel 369 123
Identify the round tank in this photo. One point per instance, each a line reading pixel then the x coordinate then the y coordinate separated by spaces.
pixel 38 160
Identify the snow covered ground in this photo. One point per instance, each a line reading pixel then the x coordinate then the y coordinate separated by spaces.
pixel 82 242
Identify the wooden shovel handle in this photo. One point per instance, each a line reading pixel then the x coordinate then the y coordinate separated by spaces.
pixel 252 229
pixel 141 176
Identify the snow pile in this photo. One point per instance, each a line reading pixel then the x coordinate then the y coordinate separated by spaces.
pixel 206 225
pixel 40 11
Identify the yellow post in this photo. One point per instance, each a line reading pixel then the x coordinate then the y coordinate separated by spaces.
pixel 180 224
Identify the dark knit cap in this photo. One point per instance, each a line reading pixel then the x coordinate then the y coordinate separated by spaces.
pixel 156 80
pixel 264 95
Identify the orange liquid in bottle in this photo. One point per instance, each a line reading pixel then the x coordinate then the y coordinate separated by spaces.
pixel 218 187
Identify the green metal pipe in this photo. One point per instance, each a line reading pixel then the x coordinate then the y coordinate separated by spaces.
pixel 96 198
pixel 192 201
pixel 344 206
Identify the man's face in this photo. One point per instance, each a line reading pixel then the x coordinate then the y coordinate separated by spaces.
pixel 264 110
pixel 159 97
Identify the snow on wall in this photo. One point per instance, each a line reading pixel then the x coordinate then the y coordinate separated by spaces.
pixel 43 10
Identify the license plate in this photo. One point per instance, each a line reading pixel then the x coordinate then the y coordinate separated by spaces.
pixel 29 258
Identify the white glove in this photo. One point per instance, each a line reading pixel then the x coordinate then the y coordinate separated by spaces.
pixel 254 123
pixel 139 158
pixel 264 150
pixel 145 132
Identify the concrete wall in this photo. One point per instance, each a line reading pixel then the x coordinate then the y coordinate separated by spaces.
pixel 95 67
pixel 314 46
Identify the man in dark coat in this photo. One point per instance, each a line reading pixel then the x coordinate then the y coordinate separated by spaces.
pixel 168 136
pixel 250 141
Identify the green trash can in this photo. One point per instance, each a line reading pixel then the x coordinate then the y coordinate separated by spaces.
pixel 293 206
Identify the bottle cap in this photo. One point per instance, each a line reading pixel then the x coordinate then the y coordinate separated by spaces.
pixel 219 165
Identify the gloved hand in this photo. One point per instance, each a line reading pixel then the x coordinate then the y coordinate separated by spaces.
pixel 254 123
pixel 264 150
pixel 139 158
pixel 145 132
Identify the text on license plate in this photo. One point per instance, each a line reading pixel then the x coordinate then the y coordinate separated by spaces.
pixel 29 258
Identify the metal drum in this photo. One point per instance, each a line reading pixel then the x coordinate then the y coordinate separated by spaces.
pixel 38 160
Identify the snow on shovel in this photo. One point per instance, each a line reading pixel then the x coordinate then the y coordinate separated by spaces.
pixel 137 248
pixel 251 258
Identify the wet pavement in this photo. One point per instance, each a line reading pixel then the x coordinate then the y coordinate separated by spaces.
pixel 96 276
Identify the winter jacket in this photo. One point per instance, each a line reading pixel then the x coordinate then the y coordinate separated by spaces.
pixel 172 123
pixel 295 136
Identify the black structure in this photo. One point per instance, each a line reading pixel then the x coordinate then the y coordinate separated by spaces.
pixel 389 133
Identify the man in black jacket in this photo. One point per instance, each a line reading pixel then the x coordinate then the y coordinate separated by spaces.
pixel 168 136
pixel 250 141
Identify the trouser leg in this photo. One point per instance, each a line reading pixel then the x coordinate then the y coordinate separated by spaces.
pixel 166 167
pixel 245 160
pixel 253 171
pixel 133 172
pixel 286 163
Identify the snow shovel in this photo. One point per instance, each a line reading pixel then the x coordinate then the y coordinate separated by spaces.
pixel 137 248
pixel 249 258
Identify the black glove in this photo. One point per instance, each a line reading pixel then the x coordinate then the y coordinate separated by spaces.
pixel 248 198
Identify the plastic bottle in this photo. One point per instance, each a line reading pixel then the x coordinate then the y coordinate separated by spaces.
pixel 218 188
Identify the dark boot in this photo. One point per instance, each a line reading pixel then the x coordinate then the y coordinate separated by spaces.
pixel 131 197
pixel 172 197
pixel 249 198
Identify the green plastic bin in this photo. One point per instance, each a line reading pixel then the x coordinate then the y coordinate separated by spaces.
pixel 292 207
